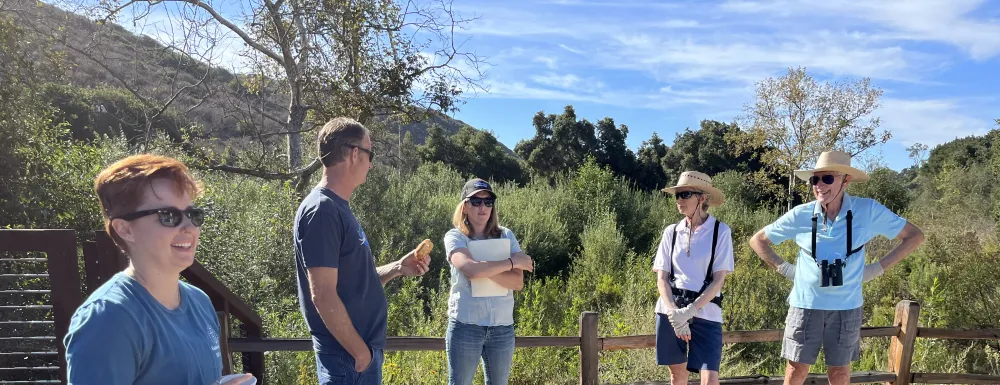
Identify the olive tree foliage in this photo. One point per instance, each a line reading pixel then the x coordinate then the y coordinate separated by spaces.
pixel 794 118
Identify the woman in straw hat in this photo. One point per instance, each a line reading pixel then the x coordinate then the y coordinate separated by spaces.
pixel 825 305
pixel 691 264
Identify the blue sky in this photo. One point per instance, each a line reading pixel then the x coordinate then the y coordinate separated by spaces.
pixel 664 66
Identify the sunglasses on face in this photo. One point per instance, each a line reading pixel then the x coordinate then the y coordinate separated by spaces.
pixel 476 202
pixel 170 216
pixel 371 154
pixel 826 179
pixel 686 194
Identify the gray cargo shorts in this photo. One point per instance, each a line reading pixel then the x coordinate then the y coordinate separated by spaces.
pixel 838 332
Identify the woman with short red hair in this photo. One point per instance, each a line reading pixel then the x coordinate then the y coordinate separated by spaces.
pixel 145 326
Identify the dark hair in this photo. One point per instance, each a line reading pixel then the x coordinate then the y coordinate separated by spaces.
pixel 335 135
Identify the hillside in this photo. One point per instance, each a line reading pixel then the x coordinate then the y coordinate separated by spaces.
pixel 107 55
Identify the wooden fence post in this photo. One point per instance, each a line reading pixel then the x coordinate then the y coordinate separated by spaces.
pixel 227 357
pixel 590 349
pixel 901 347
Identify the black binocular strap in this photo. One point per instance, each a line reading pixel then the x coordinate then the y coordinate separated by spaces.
pixel 850 237
pixel 711 261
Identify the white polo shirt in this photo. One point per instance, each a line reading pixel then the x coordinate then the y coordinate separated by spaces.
pixel 690 268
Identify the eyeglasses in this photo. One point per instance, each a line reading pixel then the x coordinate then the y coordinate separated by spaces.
pixel 827 179
pixel 371 154
pixel 170 216
pixel 476 202
pixel 686 194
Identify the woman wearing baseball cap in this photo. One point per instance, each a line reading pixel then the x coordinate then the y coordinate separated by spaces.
pixel 480 328
pixel 691 264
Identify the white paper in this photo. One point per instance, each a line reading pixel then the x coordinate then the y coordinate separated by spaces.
pixel 489 250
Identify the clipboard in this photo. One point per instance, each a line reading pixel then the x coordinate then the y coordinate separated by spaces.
pixel 489 250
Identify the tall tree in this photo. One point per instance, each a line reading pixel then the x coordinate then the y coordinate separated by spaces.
pixel 366 59
pixel 917 152
pixel 794 118
pixel 473 153
pixel 612 151
pixel 649 174
pixel 561 143
pixel 707 150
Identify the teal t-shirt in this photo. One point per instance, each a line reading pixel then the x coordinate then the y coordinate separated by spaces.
pixel 121 335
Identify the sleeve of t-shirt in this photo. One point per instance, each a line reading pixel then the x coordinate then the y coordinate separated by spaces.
pixel 515 246
pixel 784 228
pixel 663 251
pixel 454 240
pixel 884 221
pixel 724 258
pixel 321 240
pixel 103 346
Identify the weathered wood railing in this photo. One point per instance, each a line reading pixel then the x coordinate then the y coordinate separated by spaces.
pixel 102 261
pixel 904 333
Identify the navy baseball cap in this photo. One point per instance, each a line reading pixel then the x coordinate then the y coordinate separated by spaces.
pixel 474 186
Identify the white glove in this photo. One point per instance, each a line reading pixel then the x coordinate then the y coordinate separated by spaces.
pixel 871 271
pixel 788 270
pixel 683 315
pixel 684 330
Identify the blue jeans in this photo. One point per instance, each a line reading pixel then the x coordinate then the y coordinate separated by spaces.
pixel 338 369
pixel 465 345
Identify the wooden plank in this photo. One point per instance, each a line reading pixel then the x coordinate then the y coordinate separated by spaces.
pixel 954 378
pixel 649 340
pixel 629 342
pixel 590 349
pixel 29 240
pixel 64 280
pixel 393 344
pixel 959 334
pixel 199 276
pixel 812 379
pixel 545 342
pixel 227 358
pixel 91 267
pixel 901 347
pixel 110 257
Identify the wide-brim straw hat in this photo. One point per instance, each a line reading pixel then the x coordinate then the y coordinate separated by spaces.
pixel 837 161
pixel 699 181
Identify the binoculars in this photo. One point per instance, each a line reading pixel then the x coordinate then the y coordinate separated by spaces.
pixel 832 274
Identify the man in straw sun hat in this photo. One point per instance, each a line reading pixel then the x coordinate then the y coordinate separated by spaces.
pixel 825 302
pixel 691 264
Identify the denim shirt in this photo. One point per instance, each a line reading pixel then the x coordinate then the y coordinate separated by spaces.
pixel 462 306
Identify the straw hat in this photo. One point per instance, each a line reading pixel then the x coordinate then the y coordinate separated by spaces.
pixel 837 161
pixel 701 182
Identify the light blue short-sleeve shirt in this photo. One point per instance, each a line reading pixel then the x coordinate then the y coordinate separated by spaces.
pixel 870 219
pixel 462 306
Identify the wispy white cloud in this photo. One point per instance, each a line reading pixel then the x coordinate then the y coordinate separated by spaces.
pixel 567 81
pixel 550 62
pixel 951 22
pixel 930 121
pixel 570 49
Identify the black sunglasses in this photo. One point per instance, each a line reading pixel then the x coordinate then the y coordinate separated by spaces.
pixel 827 179
pixel 170 216
pixel 476 202
pixel 687 194
pixel 371 154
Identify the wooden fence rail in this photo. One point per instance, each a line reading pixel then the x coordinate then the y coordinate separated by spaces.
pixel 100 263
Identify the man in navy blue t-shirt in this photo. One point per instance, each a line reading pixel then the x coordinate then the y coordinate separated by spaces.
pixel 340 289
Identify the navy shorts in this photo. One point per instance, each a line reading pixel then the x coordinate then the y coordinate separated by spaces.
pixel 706 344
